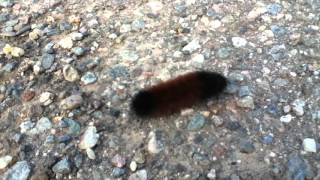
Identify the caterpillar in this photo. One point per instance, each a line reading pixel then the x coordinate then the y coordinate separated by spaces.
pixel 182 92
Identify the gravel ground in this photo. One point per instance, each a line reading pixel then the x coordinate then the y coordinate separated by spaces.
pixel 68 70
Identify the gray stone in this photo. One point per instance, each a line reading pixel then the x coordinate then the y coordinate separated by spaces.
pixel 125 28
pixel 50 139
pixel 298 107
pixel 223 53
pixel 280 82
pixel 71 102
pixel 233 125
pixel 309 145
pixel 70 73
pixel 244 91
pixel 65 26
pixel 274 8
pixel 118 172
pixel 19 171
pixel 154 144
pixel 298 168
pixel 88 78
pixel 196 122
pixel 26 126
pixel 76 36
pixel 42 125
pixel 246 146
pixel 239 42
pixel 78 51
pixel 47 60
pixel 66 43
pixel 118 71
pixel 129 55
pixel 93 23
pixel 62 167
pixel 278 52
pixel 12 22
pixel 191 46
pixel 4 161
pixel 246 102
pixel 137 25
pixel 4 17
pixel 286 118
pixel 236 77
pixel 89 138
pixel 118 161
pixel 64 138
pixel 9 67
pixel 48 48
pixel 278 30
pixel 217 121
pixel 139 175
pixel 73 126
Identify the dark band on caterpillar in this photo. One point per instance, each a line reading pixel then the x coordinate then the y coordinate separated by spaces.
pixel 176 94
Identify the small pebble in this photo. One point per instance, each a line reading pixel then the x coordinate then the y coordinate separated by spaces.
pixel 47 61
pixel 46 98
pixel 19 171
pixel 233 125
pixel 48 48
pixel 64 139
pixel 88 78
pixel 62 167
pixel 267 139
pixel 286 109
pixel 286 119
pixel 42 125
pixel 154 144
pixel 196 122
pixel 89 139
pixel 246 147
pixel 27 95
pixel 26 126
pixel 239 42
pixel 192 46
pixel 129 55
pixel 139 175
pixel 76 36
pixel 66 43
pixel 71 102
pixel 5 161
pixel 246 102
pixel 298 107
pixel 70 73
pixel 133 166
pixel 118 172
pixel 217 120
pixel 118 161
pixel 310 145
pixel 223 53
pixel 125 28
pixel 212 174
pixel 244 91
pixel 78 51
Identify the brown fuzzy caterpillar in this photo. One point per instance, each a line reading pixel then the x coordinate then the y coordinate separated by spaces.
pixel 176 94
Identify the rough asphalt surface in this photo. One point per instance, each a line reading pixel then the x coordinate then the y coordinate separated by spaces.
pixel 68 70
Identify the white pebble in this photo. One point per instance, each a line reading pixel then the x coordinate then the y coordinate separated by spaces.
pixel 239 42
pixel 133 166
pixel 309 145
pixel 4 161
pixel 286 119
